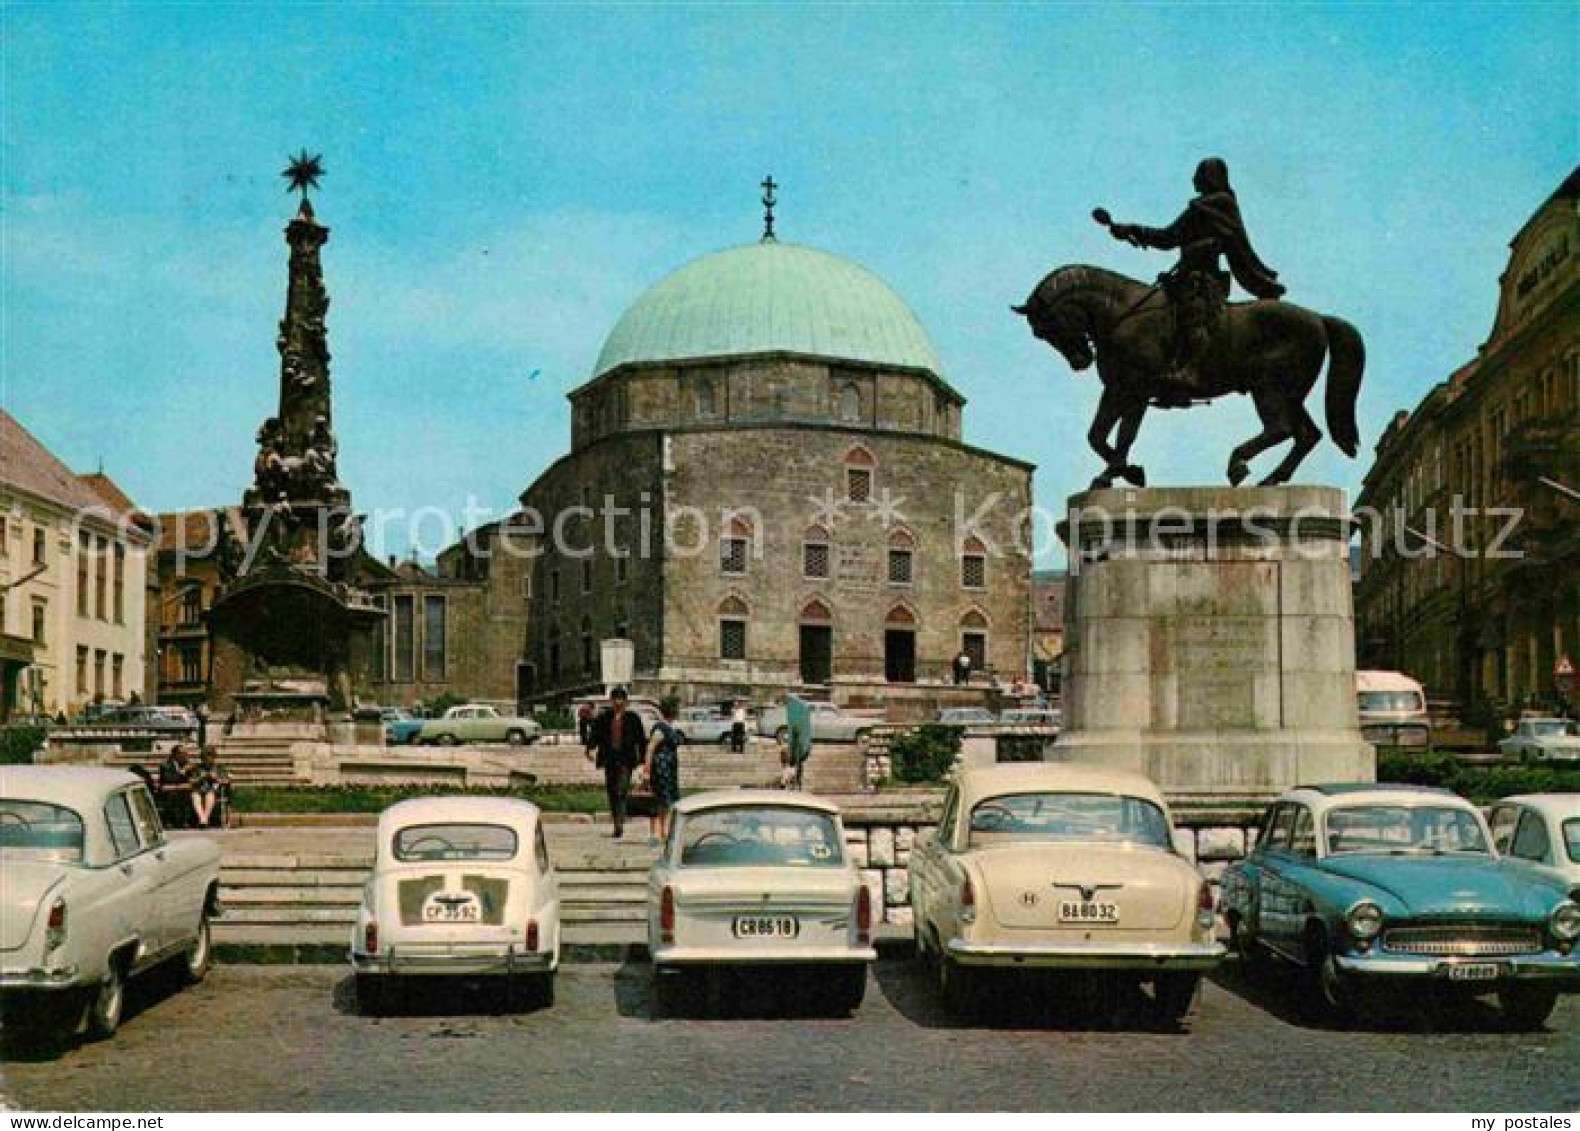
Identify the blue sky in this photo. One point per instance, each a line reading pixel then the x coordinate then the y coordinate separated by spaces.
pixel 505 179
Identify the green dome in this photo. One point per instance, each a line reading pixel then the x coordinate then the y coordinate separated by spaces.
pixel 769 298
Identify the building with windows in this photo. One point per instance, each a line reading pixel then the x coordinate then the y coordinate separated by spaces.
pixel 768 491
pixel 1470 559
pixel 73 583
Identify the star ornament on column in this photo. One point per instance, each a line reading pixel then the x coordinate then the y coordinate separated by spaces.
pixel 303 172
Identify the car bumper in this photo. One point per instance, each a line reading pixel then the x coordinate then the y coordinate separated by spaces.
pixel 456 959
pixel 1089 955
pixel 54 979
pixel 1560 970
pixel 763 956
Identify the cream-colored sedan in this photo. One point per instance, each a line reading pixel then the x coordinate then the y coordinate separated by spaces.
pixel 1066 867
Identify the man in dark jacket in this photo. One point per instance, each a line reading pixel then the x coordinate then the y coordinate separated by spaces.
pixel 617 744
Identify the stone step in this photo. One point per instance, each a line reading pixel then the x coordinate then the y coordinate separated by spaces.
pixel 634 913
pixel 235 917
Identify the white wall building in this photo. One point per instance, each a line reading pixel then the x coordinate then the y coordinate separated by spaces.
pixel 74 559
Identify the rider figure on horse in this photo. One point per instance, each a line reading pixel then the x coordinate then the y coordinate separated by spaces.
pixel 1209 227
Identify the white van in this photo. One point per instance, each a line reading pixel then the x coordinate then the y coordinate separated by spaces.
pixel 1392 709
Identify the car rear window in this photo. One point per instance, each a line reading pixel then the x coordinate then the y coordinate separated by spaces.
pixel 41 830
pixel 1068 816
pixel 455 842
pixel 761 835
pixel 1572 838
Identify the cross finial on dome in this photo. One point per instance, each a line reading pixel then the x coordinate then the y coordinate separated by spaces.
pixel 769 200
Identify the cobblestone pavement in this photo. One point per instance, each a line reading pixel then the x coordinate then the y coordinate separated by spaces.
pixel 273 1038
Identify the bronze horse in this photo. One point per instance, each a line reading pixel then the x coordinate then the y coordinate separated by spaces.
pixel 1270 349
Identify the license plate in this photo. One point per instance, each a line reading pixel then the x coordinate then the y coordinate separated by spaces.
pixel 1088 911
pixel 1473 972
pixel 451 909
pixel 766 927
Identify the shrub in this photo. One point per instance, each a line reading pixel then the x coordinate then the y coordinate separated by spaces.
pixel 17 744
pixel 925 754
pixel 1480 783
pixel 556 718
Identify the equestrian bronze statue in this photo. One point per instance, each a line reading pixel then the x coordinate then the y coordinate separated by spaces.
pixel 1180 341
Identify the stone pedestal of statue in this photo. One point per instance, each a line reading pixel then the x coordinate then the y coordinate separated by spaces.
pixel 1210 639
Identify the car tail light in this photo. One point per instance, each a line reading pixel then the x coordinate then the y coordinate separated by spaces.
pixel 1206 906
pixel 864 914
pixel 666 916
pixel 55 926
pixel 532 934
pixel 370 939
pixel 968 901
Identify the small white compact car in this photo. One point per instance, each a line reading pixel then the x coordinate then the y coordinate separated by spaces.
pixel 1065 867
pixel 460 886
pixel 759 878
pixel 1540 832
pixel 91 893
pixel 1543 740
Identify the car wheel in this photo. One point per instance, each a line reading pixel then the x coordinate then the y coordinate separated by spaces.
pixel 672 992
pixel 846 989
pixel 200 954
pixel 1527 1007
pixel 516 737
pixel 446 740
pixel 958 986
pixel 1173 995
pixel 104 1011
pixel 783 735
pixel 373 994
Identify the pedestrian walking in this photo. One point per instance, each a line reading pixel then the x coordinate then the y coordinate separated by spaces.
pixel 663 769
pixel 738 728
pixel 616 743
pixel 584 721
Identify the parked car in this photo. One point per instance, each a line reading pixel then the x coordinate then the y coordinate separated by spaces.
pixel 966 716
pixel 175 719
pixel 93 894
pixel 460 886
pixel 1541 832
pixel 1389 884
pixel 1542 740
pixel 478 722
pixel 703 725
pixel 401 728
pixel 1062 867
pixel 759 878
pixel 829 724
pixel 1033 717
pixel 1391 709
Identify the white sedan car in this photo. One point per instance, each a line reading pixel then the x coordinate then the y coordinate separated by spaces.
pixel 1064 867
pixel 1543 740
pixel 1540 832
pixel 460 886
pixel 755 878
pixel 92 893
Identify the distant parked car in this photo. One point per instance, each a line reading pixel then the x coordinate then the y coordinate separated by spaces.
pixel 1033 717
pixel 1541 832
pixel 829 724
pixel 703 725
pixel 150 718
pixel 401 728
pixel 1543 740
pixel 754 878
pixel 1377 884
pixel 1060 867
pixel 1391 709
pixel 460 886
pixel 91 894
pixel 966 716
pixel 478 722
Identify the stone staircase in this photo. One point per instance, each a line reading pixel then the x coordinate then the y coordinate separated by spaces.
pixel 250 761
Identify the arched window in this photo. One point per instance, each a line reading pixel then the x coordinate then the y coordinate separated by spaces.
pixel 735 546
pixel 973 564
pixel 973 638
pixel 816 611
pixel 860 469
pixel 902 557
pixel 733 614
pixel 815 553
pixel 900 616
